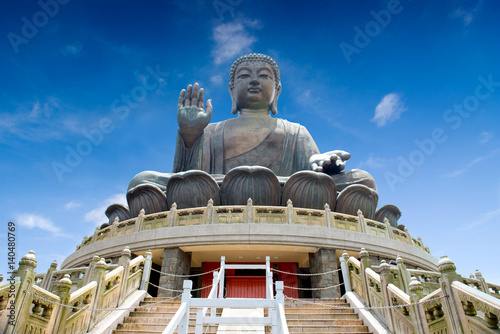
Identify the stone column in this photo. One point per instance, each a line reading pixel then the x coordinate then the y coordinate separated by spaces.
pixel 176 262
pixel 324 260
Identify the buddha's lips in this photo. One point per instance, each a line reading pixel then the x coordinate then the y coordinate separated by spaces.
pixel 254 90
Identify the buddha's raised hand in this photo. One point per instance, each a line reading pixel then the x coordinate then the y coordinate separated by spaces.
pixel 332 162
pixel 191 116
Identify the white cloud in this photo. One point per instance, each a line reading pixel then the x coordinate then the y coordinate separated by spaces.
pixel 466 15
pixel 389 109
pixel 232 39
pixel 471 164
pixel 31 221
pixel 374 162
pixel 97 216
pixel 38 121
pixel 72 205
pixel 485 137
pixel 71 49
pixel 216 79
pixel 491 216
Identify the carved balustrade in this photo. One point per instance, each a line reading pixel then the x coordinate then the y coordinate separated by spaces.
pixel 451 307
pixel 61 311
pixel 481 311
pixel 234 214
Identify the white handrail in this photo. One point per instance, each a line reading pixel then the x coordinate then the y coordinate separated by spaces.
pixel 172 325
pixel 276 305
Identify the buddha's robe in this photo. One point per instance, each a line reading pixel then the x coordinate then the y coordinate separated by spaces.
pixel 285 150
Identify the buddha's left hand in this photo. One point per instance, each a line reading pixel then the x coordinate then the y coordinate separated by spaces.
pixel 332 162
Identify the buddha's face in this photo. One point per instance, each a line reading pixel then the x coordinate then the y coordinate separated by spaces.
pixel 254 85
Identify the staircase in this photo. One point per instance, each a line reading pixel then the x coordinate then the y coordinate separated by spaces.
pixel 301 318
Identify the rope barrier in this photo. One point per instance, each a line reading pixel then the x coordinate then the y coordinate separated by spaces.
pixel 193 275
pixel 173 290
pixel 363 308
pixel 102 309
pixel 325 288
pixel 315 274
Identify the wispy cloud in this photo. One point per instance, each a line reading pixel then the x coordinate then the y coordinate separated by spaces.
pixel 388 110
pixel 72 205
pixel 97 216
pixel 485 137
pixel 491 216
pixel 71 49
pixel 232 39
pixel 216 80
pixel 31 221
pixel 466 14
pixel 471 164
pixel 373 162
pixel 35 122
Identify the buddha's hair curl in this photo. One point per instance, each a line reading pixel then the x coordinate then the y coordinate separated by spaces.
pixel 254 57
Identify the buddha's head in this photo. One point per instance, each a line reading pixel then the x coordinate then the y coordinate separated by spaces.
pixel 254 83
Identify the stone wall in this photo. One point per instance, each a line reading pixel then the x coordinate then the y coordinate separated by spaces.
pixel 324 260
pixel 177 262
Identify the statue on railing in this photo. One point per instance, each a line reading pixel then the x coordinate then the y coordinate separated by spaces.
pixel 256 149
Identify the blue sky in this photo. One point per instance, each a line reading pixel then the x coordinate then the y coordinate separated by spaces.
pixel 411 89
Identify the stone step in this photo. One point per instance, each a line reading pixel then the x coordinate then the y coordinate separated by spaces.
pixel 323 316
pixel 318 311
pixel 314 322
pixel 328 329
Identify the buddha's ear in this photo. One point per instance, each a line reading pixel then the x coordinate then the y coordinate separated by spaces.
pixel 234 107
pixel 274 104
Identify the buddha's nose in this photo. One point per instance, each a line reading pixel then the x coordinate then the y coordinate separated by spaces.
pixel 254 82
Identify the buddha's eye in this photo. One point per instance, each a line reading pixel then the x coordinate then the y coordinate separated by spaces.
pixel 243 76
pixel 265 76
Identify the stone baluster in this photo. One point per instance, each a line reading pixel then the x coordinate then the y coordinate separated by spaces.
pixel 410 241
pixel 416 292
pixel 125 262
pixel 365 264
pixel 47 279
pixel 210 212
pixel 139 220
pixel 172 214
pixel 453 309
pixel 403 274
pixel 147 271
pixel 483 286
pixel 96 232
pixel 386 279
pixel 389 228
pixel 328 216
pixel 89 272
pixel 362 221
pixel 99 276
pixel 113 227
pixel 63 287
pixel 26 272
pixel 289 211
pixel 249 211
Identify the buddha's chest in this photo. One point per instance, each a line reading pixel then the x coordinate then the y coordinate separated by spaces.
pixel 241 136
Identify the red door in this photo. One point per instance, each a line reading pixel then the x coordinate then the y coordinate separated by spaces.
pixel 246 287
pixel 289 280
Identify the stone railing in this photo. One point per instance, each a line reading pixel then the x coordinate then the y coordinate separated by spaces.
pixel 37 310
pixel 452 307
pixel 252 214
